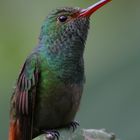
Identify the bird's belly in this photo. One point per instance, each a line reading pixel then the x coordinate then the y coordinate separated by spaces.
pixel 58 107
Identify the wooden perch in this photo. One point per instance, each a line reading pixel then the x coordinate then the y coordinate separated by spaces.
pixel 82 134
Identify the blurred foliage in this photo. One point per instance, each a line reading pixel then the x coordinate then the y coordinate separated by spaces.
pixel 111 97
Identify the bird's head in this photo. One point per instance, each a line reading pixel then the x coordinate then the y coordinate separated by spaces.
pixel 63 23
pixel 68 23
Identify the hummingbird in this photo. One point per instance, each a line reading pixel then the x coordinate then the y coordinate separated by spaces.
pixel 50 84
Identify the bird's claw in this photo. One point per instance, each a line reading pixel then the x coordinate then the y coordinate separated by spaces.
pixel 73 125
pixel 52 134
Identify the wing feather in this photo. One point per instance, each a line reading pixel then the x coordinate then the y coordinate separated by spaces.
pixel 23 99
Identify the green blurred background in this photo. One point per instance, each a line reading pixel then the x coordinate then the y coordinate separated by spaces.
pixel 111 97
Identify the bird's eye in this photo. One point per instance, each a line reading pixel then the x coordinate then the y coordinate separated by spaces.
pixel 62 18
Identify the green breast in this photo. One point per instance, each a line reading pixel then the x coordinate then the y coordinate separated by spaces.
pixel 57 101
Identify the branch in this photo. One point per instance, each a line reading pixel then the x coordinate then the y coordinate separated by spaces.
pixel 82 134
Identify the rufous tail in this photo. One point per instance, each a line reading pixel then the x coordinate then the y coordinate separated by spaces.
pixel 14 130
pixel 20 129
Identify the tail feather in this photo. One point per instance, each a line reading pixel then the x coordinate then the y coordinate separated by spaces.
pixel 14 132
pixel 20 129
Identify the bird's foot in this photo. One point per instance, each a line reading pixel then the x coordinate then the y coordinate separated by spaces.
pixel 52 134
pixel 73 125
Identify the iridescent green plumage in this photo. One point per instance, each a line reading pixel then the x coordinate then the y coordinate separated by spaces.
pixel 50 85
pixel 62 69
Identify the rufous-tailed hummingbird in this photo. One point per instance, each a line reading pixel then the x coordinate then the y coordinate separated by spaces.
pixel 50 84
